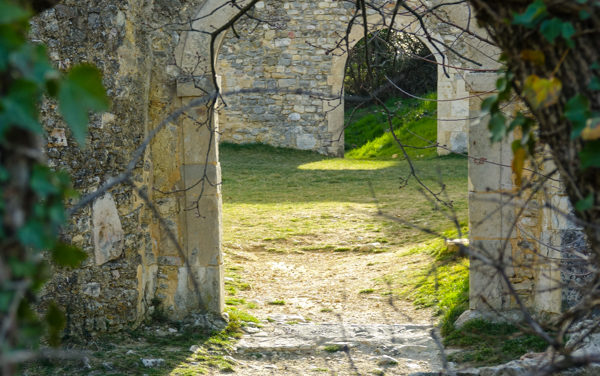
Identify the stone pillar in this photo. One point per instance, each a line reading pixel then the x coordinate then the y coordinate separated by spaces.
pixel 491 215
pixel 202 209
pixel 453 112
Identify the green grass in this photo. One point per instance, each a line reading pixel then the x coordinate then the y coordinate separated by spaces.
pixel 485 343
pixel 368 135
pixel 282 200
pixel 333 348
pixel 276 302
pixel 443 284
pixel 114 349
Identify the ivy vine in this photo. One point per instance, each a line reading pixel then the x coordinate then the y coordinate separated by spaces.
pixel 32 188
pixel 542 92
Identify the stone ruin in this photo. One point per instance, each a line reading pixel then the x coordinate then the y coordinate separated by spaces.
pixel 154 63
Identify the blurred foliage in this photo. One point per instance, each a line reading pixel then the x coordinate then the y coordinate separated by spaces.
pixel 32 207
pixel 404 59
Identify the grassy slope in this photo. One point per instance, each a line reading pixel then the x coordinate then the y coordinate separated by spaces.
pixel 368 135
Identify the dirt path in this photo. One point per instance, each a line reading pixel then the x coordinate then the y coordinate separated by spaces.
pixel 327 312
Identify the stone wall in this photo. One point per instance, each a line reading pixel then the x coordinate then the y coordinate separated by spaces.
pixel 295 50
pixel 287 54
pixel 115 286
pixel 153 66
pixel 103 294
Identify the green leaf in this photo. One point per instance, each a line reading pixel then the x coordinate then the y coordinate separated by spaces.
pixel 56 213
pixel 497 127
pixel 586 203
pixel 6 298
pixel 594 84
pixel 55 318
pixel 489 105
pixel 34 234
pixel 41 181
pixel 32 61
pixel 22 269
pixel 68 255
pixel 534 13
pixel 551 29
pixel 567 33
pixel 19 106
pixel 590 155
pixel 81 92
pixel 502 83
pixel 584 15
pixel 577 110
pixel 10 13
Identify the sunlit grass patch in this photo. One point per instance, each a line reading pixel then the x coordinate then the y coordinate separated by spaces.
pixel 121 353
pixel 338 164
pixel 368 134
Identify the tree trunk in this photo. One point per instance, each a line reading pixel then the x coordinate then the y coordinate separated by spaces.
pixel 572 66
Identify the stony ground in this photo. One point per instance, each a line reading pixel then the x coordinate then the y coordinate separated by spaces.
pixel 319 316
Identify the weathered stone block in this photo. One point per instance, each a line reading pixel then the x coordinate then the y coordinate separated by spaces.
pixel 107 230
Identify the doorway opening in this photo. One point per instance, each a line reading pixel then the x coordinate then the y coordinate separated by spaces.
pixel 390 84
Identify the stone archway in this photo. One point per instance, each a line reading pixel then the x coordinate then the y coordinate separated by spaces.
pixel 197 155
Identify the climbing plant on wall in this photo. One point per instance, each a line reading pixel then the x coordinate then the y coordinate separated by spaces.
pixel 554 66
pixel 32 204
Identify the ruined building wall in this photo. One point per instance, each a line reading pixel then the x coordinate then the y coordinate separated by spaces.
pixel 115 286
pixel 296 50
pixel 152 67
pixel 285 54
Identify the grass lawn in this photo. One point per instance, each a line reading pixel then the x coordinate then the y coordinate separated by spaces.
pixel 287 200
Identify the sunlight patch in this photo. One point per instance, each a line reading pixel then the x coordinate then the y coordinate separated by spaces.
pixel 346 164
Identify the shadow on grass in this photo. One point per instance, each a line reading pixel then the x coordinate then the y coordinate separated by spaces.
pixel 122 353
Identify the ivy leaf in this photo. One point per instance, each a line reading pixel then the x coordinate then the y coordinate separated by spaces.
pixel 10 13
pixel 81 92
pixel 41 181
pixel 590 155
pixel 497 126
pixel 577 110
pixel 68 255
pixel 32 62
pixel 567 33
pixel 594 84
pixel 33 234
pixel 591 130
pixel 534 56
pixel 518 163
pixel 584 15
pixel 19 106
pixel 22 269
pixel 55 318
pixel 542 92
pixel 534 13
pixel 551 29
pixel 586 203
pixel 489 105
pixel 6 297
